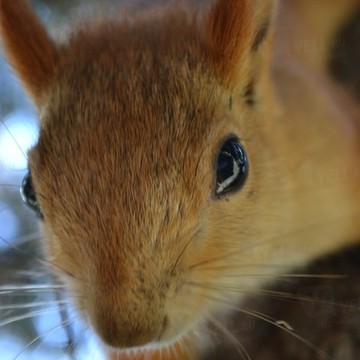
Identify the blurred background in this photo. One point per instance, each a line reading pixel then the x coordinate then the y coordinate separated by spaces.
pixel 35 320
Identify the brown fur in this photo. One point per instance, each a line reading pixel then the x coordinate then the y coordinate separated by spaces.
pixel 28 46
pixel 228 33
pixel 132 117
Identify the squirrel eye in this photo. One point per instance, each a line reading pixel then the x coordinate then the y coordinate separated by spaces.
pixel 231 168
pixel 28 195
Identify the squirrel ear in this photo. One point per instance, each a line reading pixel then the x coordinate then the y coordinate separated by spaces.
pixel 227 30
pixel 234 32
pixel 27 45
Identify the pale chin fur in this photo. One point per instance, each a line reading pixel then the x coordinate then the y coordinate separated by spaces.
pixel 197 330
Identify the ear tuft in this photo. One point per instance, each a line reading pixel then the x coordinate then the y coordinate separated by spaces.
pixel 228 30
pixel 27 46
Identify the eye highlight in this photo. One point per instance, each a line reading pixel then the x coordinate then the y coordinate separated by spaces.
pixel 231 167
pixel 28 195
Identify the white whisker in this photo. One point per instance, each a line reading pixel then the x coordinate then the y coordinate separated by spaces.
pixel 264 292
pixel 30 288
pixel 44 335
pixel 33 236
pixel 30 315
pixel 239 347
pixel 34 304
pixel 275 322
pixel 287 328
pixel 73 344
pixel 13 137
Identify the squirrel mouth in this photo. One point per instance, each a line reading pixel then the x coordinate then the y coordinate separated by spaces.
pixel 152 352
pixel 178 347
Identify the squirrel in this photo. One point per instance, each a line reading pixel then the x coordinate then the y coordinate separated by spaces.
pixel 181 157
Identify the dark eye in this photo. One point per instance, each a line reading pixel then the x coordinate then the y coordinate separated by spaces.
pixel 231 168
pixel 28 195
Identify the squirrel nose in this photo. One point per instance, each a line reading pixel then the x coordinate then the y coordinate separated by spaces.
pixel 124 326
pixel 123 335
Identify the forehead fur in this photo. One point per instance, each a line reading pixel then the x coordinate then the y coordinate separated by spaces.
pixel 146 108
pixel 150 65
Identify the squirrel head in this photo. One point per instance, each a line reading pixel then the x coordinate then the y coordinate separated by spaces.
pixel 141 167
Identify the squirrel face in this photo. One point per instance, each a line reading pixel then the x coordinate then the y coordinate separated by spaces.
pixel 129 204
pixel 126 172
pixel 154 177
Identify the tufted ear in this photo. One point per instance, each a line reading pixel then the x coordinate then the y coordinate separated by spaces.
pixel 27 46
pixel 235 31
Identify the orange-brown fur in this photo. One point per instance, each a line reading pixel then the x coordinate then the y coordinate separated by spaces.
pixel 33 56
pixel 132 117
